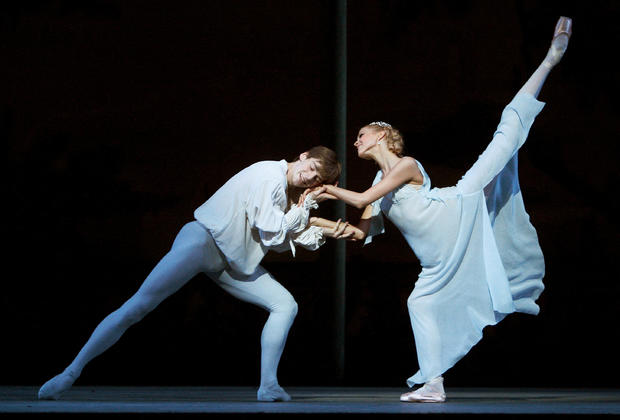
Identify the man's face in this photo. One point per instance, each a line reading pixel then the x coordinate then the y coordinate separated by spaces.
pixel 305 172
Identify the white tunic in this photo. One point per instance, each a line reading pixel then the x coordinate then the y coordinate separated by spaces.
pixel 246 216
pixel 479 252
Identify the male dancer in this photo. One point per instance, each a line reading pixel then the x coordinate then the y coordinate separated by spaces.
pixel 232 232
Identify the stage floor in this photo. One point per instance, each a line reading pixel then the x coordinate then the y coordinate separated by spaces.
pixel 309 400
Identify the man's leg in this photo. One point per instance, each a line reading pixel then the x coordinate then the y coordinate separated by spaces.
pixel 193 251
pixel 263 290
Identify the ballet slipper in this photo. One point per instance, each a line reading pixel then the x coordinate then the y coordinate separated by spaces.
pixel 559 43
pixel 430 392
pixel 55 387
pixel 272 393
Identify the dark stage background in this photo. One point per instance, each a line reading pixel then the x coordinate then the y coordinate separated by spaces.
pixel 120 118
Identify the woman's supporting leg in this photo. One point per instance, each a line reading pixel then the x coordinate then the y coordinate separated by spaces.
pixel 423 313
pixel 263 290
pixel 193 251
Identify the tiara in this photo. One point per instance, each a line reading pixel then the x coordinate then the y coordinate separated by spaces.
pixel 381 124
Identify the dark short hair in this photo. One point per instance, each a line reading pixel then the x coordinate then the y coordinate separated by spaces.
pixel 329 168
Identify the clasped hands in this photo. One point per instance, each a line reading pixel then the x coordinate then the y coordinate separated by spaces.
pixel 336 230
pixel 318 193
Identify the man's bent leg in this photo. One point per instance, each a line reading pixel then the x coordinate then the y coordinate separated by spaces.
pixel 263 290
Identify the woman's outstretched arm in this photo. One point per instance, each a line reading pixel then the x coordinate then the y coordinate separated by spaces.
pixel 405 171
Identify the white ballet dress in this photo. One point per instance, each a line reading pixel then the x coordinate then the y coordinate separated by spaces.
pixel 479 252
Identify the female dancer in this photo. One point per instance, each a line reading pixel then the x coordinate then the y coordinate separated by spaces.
pixel 479 253
pixel 232 232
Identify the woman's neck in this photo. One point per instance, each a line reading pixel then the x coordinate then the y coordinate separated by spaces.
pixel 386 160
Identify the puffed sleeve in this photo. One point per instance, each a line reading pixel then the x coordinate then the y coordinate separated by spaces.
pixel 264 208
pixel 310 238
pixel 295 231
pixel 265 213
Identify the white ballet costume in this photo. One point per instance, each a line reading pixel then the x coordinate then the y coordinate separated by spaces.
pixel 232 232
pixel 479 252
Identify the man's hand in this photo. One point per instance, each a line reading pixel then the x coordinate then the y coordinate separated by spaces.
pixel 338 230
pixel 315 191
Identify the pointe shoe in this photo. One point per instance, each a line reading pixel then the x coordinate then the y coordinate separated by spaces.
pixel 559 43
pixel 564 26
pixel 430 392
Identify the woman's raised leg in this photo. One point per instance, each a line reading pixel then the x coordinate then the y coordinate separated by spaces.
pixel 193 251
pixel 514 126
pixel 559 43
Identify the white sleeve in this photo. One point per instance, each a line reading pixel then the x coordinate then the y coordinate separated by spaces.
pixel 272 223
pixel 295 230
pixel 264 207
pixel 310 238
pixel 296 219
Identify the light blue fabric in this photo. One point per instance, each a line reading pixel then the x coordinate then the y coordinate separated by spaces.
pixel 479 252
pixel 376 220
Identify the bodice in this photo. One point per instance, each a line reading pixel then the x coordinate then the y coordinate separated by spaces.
pixel 427 218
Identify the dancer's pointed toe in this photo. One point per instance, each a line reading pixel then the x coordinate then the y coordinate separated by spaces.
pixel 55 387
pixel 564 26
pixel 432 391
pixel 559 43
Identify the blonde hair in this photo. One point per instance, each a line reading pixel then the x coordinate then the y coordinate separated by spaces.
pixel 393 138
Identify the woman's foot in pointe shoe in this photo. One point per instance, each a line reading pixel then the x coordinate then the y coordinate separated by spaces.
pixel 53 389
pixel 561 35
pixel 430 392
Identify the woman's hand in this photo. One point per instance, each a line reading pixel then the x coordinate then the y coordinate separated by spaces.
pixel 322 193
pixel 325 195
pixel 318 193
pixel 339 231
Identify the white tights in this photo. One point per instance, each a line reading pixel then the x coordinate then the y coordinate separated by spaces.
pixel 192 252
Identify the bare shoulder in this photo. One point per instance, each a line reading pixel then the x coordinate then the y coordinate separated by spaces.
pixel 411 166
pixel 409 162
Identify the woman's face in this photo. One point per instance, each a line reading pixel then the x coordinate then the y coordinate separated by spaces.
pixel 304 173
pixel 367 138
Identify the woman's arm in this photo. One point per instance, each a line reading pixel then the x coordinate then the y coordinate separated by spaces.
pixel 405 171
